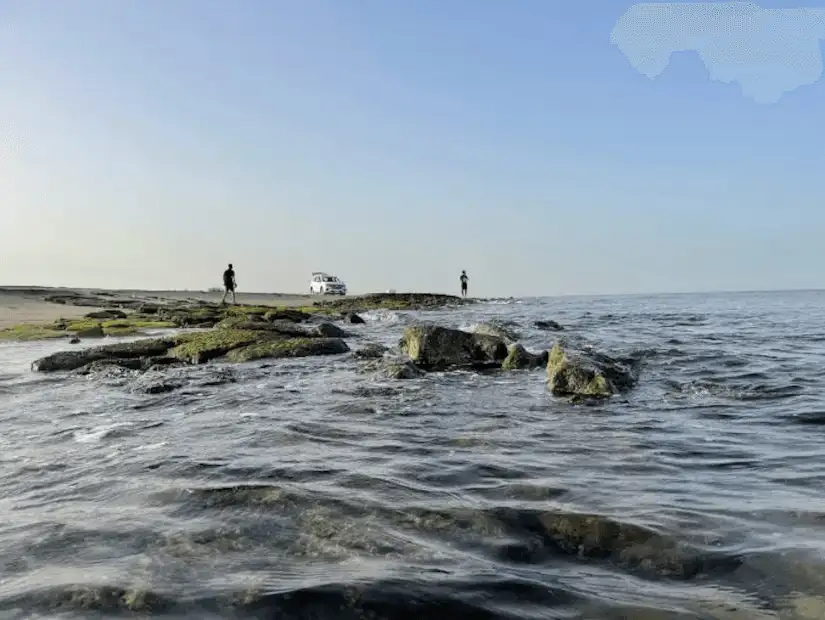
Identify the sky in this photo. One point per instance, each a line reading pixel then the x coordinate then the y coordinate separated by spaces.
pixel 148 143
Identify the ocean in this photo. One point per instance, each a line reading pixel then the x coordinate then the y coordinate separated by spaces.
pixel 309 488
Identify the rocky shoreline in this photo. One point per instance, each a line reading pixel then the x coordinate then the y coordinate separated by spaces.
pixel 201 332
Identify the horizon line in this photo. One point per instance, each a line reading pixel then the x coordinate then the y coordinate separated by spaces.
pixel 9 288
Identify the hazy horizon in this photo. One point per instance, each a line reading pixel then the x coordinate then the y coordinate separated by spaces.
pixel 151 143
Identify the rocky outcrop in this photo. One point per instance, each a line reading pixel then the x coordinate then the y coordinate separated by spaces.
pixel 72 360
pixel 432 347
pixel 519 358
pixel 392 301
pixel 591 375
pixel 548 326
pixel 236 345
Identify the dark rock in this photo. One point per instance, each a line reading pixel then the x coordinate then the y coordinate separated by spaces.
pixel 148 309
pixel 521 358
pixel 295 316
pixel 432 347
pixel 328 330
pixel 74 340
pixel 71 360
pixel 352 318
pixel 548 326
pixel 590 374
pixel 107 314
pixel 371 351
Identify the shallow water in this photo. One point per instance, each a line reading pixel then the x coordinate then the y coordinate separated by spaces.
pixel 310 489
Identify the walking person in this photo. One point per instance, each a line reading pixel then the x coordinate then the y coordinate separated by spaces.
pixel 463 279
pixel 229 284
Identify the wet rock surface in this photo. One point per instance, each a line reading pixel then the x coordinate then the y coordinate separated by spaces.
pixel 432 347
pixel 588 374
pixel 519 358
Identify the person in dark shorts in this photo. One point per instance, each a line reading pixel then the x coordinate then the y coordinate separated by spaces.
pixel 463 279
pixel 229 284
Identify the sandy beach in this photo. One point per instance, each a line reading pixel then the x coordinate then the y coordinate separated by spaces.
pixel 29 305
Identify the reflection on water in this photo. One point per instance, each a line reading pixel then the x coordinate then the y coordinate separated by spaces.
pixel 312 489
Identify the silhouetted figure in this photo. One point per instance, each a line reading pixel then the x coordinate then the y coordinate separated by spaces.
pixel 463 279
pixel 229 284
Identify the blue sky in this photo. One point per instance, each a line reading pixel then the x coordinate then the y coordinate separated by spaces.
pixel 147 143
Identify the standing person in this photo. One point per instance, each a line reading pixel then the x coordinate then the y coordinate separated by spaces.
pixel 229 284
pixel 463 279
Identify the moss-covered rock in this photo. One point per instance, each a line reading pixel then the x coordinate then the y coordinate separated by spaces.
pixel 433 347
pixel 201 347
pixel 392 301
pixel 288 347
pixel 107 315
pixel 520 358
pixel 27 331
pixel 83 328
pixel 590 375
pixel 90 332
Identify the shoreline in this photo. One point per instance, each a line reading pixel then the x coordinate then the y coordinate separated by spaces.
pixel 32 308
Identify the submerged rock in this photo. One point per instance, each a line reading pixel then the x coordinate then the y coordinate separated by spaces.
pixel 497 329
pixel 394 369
pixel 548 326
pixel 588 375
pixel 520 358
pixel 371 351
pixel 432 347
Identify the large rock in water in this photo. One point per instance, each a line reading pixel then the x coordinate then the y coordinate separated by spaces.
pixel 590 375
pixel 432 347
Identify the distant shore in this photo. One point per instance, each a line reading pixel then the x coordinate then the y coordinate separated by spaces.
pixel 29 304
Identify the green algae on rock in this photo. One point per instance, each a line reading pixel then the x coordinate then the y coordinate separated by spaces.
pixel 592 375
pixel 520 358
pixel 201 347
pixel 433 347
pixel 29 331
pixel 392 301
pixel 288 347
